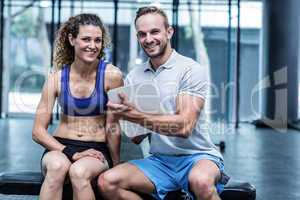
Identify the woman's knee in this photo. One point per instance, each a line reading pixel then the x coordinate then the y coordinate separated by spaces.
pixel 56 165
pixel 79 172
pixel 55 174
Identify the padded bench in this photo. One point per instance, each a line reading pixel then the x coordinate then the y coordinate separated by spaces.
pixel 29 183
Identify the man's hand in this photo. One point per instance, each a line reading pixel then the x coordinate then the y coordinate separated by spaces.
pixel 90 152
pixel 125 110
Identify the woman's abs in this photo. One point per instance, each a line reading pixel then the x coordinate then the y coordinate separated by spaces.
pixel 82 128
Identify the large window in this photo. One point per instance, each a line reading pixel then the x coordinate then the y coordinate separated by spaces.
pixel 27 54
pixel 251 24
pixel 206 30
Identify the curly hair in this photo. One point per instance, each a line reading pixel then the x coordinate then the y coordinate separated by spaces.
pixel 63 51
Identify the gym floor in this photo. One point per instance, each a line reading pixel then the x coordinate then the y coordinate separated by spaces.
pixel 266 158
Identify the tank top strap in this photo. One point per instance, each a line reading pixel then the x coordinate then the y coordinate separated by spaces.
pixel 64 78
pixel 101 76
pixel 102 94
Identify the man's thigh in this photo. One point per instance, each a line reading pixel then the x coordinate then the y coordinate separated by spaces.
pixel 129 177
pixel 162 175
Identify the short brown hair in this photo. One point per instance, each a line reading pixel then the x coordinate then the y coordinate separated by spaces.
pixel 151 10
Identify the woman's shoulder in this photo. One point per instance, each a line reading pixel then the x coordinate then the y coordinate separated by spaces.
pixel 113 76
pixel 53 79
pixel 55 74
pixel 113 72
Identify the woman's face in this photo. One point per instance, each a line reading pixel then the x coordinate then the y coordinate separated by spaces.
pixel 88 43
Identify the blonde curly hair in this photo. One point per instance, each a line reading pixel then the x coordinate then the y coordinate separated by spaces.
pixel 63 51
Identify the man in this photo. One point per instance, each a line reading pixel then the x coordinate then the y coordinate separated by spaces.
pixel 183 156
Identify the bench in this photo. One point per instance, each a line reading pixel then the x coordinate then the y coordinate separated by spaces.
pixel 29 183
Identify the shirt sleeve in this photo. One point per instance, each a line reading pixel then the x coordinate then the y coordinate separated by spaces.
pixel 127 80
pixel 195 81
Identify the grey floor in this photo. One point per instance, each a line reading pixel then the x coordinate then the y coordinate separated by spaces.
pixel 268 159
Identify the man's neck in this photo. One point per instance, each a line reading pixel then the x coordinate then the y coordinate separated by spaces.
pixel 157 62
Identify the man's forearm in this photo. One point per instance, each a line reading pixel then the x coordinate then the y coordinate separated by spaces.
pixel 169 125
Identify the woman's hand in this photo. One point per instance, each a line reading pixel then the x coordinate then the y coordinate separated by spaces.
pixel 90 152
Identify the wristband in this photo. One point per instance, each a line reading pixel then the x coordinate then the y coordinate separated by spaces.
pixel 69 152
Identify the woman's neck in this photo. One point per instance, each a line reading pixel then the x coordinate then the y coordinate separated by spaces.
pixel 83 68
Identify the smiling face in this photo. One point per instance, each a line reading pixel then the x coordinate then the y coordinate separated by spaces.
pixel 153 36
pixel 88 43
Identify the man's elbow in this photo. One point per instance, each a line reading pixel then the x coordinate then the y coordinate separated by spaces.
pixel 186 127
pixel 185 132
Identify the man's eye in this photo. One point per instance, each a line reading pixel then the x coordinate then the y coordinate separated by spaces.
pixel 140 35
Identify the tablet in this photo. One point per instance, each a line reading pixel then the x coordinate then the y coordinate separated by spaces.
pixel 145 97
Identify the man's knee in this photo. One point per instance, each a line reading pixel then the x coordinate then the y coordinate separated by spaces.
pixel 203 185
pixel 108 181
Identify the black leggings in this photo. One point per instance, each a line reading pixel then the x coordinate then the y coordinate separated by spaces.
pixel 83 145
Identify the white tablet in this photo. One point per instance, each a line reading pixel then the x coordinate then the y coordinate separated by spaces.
pixel 145 97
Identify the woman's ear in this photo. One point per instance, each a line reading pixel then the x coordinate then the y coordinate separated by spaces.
pixel 71 39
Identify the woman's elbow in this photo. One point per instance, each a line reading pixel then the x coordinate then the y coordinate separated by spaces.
pixel 113 130
pixel 35 135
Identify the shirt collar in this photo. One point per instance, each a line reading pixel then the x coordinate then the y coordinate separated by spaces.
pixel 167 65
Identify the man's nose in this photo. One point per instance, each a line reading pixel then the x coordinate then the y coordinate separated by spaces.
pixel 148 38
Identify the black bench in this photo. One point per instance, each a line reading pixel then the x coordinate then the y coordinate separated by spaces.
pixel 29 183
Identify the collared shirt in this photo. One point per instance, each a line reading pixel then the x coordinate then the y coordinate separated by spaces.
pixel 178 75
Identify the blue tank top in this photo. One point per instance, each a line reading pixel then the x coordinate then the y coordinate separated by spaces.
pixel 90 106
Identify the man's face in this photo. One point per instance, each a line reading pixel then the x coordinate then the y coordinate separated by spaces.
pixel 152 34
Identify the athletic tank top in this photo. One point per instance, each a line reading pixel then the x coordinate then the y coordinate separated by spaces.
pixel 93 105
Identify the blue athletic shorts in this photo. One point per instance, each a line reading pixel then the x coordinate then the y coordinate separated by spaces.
pixel 170 173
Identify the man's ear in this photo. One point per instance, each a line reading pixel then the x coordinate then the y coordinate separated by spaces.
pixel 71 39
pixel 170 32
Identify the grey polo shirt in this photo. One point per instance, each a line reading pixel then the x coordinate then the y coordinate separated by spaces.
pixel 179 75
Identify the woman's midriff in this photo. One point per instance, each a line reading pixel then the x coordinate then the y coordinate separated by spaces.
pixel 82 128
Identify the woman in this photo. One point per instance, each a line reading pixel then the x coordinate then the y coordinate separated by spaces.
pixel 87 139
